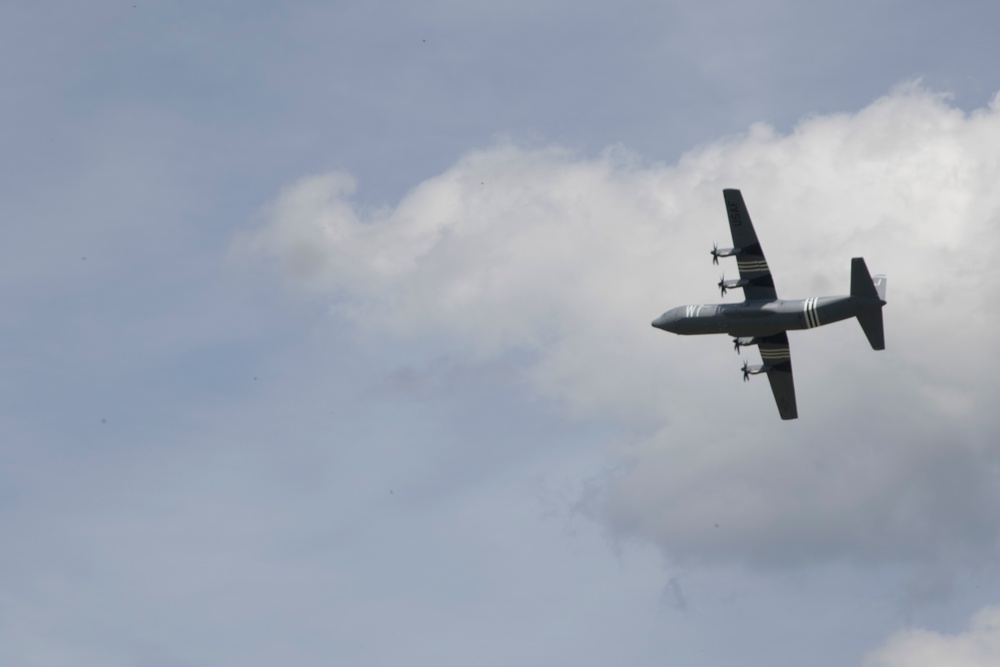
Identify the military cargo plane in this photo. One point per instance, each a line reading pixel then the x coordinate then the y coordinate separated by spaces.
pixel 763 319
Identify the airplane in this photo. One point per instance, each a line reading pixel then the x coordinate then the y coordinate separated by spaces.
pixel 763 319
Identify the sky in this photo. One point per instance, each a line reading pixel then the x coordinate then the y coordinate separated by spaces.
pixel 326 334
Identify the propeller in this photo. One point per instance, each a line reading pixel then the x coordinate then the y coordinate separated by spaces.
pixel 746 371
pixel 722 285
pixel 736 345
pixel 715 254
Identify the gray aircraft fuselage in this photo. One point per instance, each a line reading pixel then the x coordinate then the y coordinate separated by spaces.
pixel 762 318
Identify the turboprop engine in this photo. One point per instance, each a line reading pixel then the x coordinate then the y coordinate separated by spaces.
pixel 725 285
pixel 754 370
pixel 741 341
pixel 718 252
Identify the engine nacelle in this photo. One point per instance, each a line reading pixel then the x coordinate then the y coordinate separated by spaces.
pixel 725 285
pixel 754 370
pixel 718 252
pixel 743 341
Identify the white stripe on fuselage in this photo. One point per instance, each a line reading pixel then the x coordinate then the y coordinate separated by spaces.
pixel 809 309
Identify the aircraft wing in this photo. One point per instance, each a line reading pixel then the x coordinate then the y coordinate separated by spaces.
pixel 775 353
pixel 753 267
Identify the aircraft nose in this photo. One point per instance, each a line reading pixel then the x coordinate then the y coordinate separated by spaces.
pixel 665 321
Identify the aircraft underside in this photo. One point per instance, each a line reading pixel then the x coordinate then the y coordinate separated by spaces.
pixel 763 319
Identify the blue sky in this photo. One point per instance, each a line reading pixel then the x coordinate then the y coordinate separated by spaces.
pixel 327 334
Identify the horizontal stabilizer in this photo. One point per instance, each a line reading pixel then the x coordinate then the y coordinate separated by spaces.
pixel 880 285
pixel 871 322
pixel 861 280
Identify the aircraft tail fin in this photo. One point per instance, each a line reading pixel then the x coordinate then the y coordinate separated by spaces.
pixel 863 286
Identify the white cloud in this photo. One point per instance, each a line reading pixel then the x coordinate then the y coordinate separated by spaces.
pixel 566 259
pixel 979 647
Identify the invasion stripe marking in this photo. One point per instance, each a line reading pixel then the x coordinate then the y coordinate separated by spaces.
pixel 809 309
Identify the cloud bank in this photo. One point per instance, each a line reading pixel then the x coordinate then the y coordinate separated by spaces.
pixel 978 647
pixel 560 261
